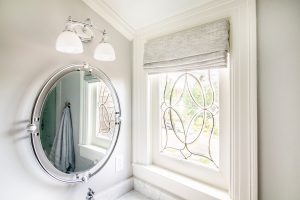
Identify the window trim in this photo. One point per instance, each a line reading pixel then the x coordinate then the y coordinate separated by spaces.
pixel 243 151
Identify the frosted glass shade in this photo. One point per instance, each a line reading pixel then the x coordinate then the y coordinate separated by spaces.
pixel 104 52
pixel 69 42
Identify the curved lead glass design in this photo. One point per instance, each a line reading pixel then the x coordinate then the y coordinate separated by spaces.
pixel 105 112
pixel 77 120
pixel 190 116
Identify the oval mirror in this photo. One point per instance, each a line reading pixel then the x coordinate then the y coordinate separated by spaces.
pixel 77 120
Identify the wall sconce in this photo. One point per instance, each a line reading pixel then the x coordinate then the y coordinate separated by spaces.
pixel 77 32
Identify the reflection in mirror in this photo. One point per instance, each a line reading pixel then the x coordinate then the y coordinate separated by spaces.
pixel 77 122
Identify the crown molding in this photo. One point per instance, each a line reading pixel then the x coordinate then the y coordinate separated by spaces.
pixel 111 17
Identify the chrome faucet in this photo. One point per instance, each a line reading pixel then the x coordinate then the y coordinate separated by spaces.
pixel 90 194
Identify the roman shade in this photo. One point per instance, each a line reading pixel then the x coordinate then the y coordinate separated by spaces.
pixel 201 47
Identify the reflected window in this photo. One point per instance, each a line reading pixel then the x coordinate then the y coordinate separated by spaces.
pixel 99 111
pixel 105 115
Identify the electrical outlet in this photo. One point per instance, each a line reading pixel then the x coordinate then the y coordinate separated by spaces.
pixel 119 163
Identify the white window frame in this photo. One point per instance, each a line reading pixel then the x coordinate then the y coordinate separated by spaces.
pixel 243 103
pixel 219 177
pixel 91 147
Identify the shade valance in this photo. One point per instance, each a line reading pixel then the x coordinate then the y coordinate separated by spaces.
pixel 203 46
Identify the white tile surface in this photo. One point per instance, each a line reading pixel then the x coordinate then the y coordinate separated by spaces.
pixel 133 195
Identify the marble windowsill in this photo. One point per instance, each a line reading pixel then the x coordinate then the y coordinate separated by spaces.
pixel 91 152
pixel 176 184
pixel 133 195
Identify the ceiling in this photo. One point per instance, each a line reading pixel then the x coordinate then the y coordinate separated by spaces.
pixel 141 13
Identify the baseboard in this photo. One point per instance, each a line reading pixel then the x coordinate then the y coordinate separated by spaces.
pixel 116 191
pixel 151 191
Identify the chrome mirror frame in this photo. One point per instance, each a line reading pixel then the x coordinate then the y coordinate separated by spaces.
pixel 34 126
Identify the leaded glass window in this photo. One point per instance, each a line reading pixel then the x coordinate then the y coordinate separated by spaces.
pixel 189 110
pixel 105 115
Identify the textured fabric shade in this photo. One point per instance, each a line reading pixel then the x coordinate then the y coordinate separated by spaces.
pixel 200 47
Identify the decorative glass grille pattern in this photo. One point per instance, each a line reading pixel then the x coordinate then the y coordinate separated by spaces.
pixel 105 112
pixel 190 116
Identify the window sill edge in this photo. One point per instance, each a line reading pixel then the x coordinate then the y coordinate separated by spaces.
pixel 170 182
pixel 91 152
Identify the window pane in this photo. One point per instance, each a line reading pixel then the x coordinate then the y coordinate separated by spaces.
pixel 105 119
pixel 190 116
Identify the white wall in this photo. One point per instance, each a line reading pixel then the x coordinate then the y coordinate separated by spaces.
pixel 27 57
pixel 279 99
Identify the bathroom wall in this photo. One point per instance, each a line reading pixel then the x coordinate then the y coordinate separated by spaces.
pixel 279 99
pixel 27 57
